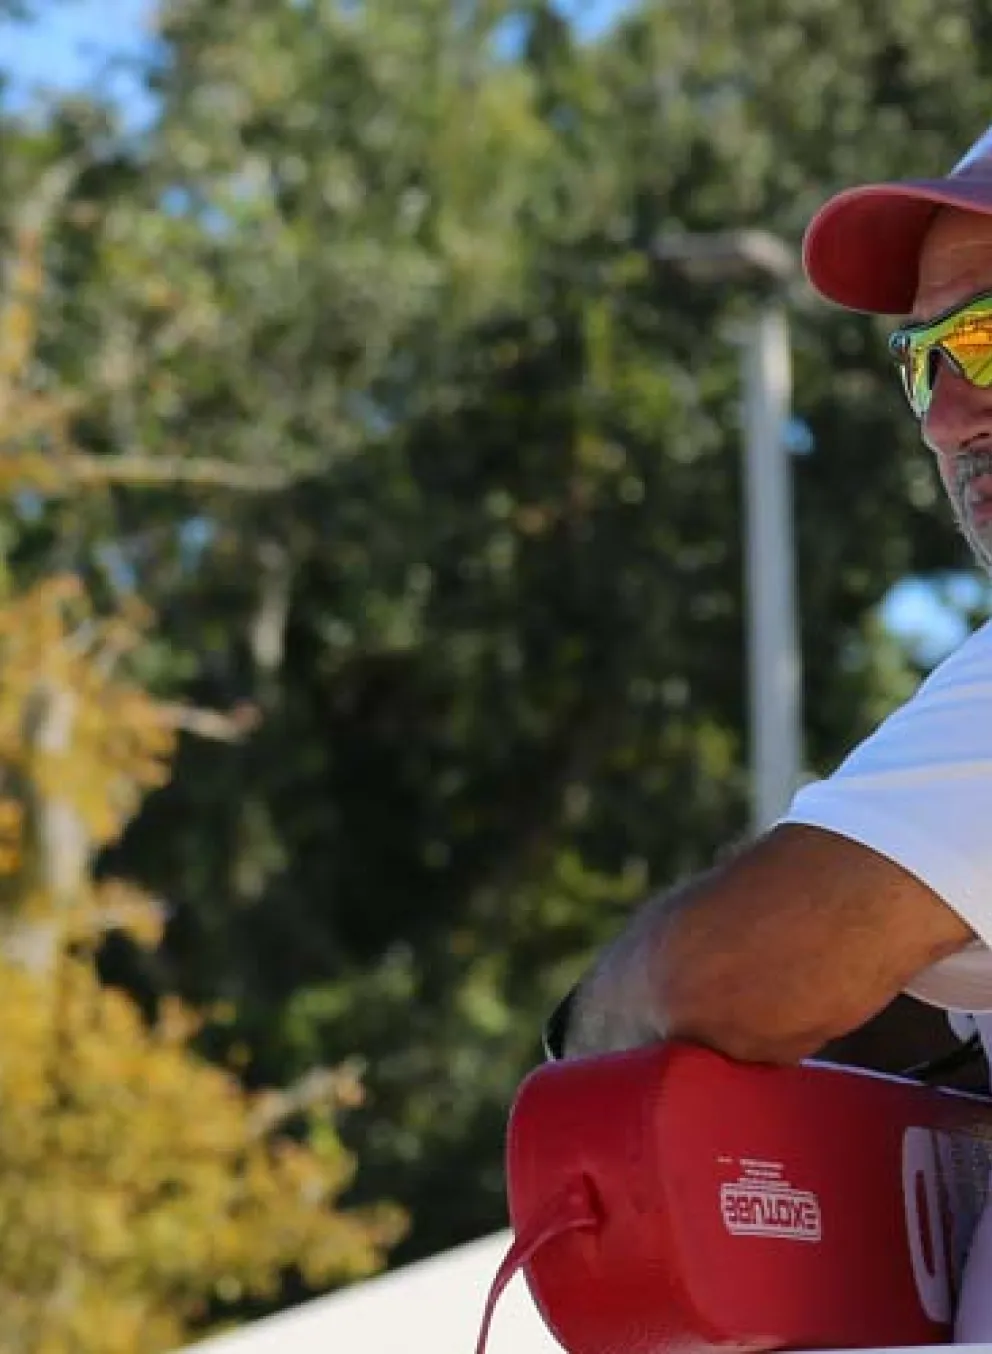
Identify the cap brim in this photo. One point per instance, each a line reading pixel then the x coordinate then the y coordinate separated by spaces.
pixel 862 249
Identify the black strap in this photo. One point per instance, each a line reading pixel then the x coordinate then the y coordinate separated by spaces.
pixel 963 1056
pixel 553 1036
pixel 928 1071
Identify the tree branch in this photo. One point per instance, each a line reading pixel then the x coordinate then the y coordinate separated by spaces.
pixel 322 1087
pixel 213 724
pixel 154 471
pixel 68 471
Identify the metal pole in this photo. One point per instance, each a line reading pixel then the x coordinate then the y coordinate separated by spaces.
pixel 773 649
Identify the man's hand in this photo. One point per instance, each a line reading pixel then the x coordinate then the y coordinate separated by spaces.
pixel 795 941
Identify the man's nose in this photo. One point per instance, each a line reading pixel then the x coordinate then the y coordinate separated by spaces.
pixel 959 412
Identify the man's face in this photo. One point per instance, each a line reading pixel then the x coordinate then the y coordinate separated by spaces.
pixel 955 265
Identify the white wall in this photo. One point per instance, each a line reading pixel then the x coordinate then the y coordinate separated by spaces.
pixel 433 1307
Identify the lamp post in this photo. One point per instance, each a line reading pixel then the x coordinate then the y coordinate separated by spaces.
pixel 761 262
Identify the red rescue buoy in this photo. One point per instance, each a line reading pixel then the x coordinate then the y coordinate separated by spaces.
pixel 669 1199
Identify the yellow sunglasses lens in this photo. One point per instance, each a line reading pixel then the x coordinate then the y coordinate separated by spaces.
pixel 970 346
pixel 965 339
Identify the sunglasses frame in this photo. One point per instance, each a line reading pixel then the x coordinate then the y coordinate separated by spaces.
pixel 904 340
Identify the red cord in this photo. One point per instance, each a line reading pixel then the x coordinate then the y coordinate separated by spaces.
pixel 570 1211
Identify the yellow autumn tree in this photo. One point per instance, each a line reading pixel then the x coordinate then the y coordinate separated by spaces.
pixel 138 1182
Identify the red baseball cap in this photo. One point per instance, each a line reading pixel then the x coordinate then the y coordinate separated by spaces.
pixel 862 248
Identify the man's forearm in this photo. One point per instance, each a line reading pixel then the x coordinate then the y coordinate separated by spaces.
pixel 668 976
pixel 795 941
pixel 656 982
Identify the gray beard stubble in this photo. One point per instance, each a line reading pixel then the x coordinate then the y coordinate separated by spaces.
pixel 979 541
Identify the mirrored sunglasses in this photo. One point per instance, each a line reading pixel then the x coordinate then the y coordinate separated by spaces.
pixel 961 336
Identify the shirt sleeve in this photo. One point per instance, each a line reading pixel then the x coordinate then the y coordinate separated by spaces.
pixel 919 790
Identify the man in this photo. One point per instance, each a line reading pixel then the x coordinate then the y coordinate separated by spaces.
pixel 878 880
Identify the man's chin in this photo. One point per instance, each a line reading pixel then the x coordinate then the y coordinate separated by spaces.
pixel 978 537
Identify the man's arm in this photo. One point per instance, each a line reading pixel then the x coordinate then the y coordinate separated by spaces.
pixel 793 942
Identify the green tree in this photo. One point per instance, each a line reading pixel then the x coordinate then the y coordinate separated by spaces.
pixel 141 1189
pixel 512 613
pixel 452 497
pixel 143 1192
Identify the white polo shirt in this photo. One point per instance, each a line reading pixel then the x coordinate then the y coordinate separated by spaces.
pixel 919 791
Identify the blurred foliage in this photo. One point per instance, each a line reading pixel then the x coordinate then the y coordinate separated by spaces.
pixel 143 1190
pixel 384 404
pixel 139 1186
